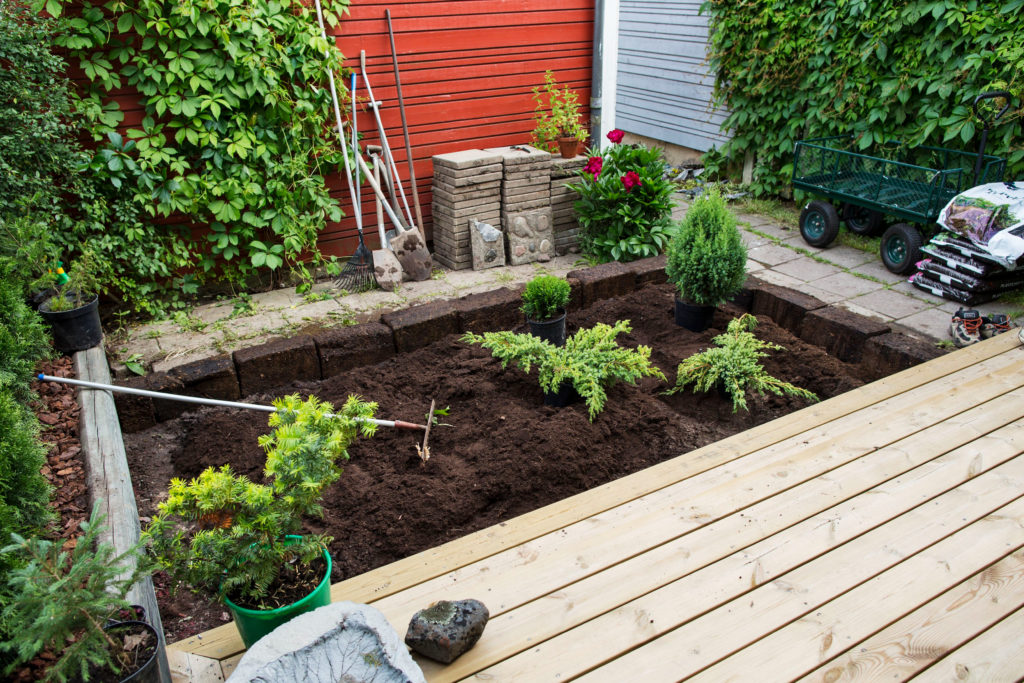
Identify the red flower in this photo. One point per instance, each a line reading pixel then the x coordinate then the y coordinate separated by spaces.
pixel 616 136
pixel 593 166
pixel 630 180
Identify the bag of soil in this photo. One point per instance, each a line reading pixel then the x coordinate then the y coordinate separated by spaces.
pixel 960 263
pixel 971 283
pixel 924 282
pixel 992 218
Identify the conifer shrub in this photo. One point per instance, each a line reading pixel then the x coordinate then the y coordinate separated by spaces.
pixel 591 360
pixel 545 296
pixel 24 339
pixel 734 365
pixel 63 600
pixel 706 259
pixel 225 535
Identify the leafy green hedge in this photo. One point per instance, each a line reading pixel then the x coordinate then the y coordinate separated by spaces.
pixel 880 69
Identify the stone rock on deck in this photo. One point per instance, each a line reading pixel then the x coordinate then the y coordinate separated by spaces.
pixel 344 641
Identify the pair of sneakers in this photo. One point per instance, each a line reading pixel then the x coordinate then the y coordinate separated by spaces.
pixel 968 326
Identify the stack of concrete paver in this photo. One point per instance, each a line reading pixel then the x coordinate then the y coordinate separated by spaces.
pixel 526 183
pixel 467 186
pixel 563 213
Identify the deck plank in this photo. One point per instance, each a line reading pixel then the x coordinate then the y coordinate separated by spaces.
pixel 714 613
pixel 715 543
pixel 905 475
pixel 937 628
pixel 995 656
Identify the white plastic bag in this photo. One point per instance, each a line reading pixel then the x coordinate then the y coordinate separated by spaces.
pixel 992 217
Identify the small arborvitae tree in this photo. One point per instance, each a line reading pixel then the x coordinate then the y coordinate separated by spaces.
pixel 64 599
pixel 544 296
pixel 735 366
pixel 591 359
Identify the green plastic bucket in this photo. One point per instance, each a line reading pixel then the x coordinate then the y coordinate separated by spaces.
pixel 253 624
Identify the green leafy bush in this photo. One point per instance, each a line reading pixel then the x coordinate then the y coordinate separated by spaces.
pixel 591 359
pixel 556 114
pixel 64 599
pixel 706 258
pixel 625 203
pixel 882 70
pixel 38 151
pixel 734 365
pixel 545 296
pixel 225 535
pixel 24 339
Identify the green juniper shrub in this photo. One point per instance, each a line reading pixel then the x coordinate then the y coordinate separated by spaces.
pixel 734 365
pixel 545 296
pixel 591 359
pixel 707 260
pixel 625 203
pixel 63 600
pixel 224 535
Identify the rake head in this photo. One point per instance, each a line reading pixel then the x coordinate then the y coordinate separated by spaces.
pixel 357 274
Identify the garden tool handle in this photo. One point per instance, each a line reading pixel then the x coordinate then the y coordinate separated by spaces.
pixel 989 96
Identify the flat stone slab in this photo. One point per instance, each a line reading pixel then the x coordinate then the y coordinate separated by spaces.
pixel 467 158
pixel 530 237
pixel 847 284
pixel 341 642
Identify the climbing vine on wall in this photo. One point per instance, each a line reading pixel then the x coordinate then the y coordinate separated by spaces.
pixel 880 69
pixel 235 131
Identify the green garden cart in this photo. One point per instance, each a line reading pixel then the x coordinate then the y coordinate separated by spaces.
pixel 910 184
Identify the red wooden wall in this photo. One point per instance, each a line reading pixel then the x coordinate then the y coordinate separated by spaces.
pixel 467 68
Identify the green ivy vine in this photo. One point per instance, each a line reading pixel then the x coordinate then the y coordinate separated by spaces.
pixel 235 131
pixel 880 69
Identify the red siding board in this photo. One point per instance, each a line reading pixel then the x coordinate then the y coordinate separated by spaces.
pixel 467 69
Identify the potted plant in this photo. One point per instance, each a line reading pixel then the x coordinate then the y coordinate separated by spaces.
pixel 589 363
pixel 556 118
pixel 72 604
pixel 72 309
pixel 734 368
pixel 544 302
pixel 239 541
pixel 706 260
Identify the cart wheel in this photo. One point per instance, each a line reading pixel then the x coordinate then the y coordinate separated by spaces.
pixel 901 248
pixel 863 221
pixel 819 223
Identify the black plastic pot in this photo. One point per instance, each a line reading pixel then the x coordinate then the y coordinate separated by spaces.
pixel 693 317
pixel 76 329
pixel 552 330
pixel 565 395
pixel 149 672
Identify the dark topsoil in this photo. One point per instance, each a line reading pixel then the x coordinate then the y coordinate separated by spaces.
pixel 505 452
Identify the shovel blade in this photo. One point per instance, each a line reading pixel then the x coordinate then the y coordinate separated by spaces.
pixel 413 255
pixel 387 269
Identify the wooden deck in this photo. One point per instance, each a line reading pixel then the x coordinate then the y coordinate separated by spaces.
pixel 877 535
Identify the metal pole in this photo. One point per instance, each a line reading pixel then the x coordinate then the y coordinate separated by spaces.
pixel 397 424
pixel 405 130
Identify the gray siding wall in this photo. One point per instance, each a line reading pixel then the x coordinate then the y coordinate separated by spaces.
pixel 664 87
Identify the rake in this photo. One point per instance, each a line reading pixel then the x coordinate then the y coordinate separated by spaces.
pixel 357 275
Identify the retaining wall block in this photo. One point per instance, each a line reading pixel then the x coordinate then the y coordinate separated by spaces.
pixel 840 332
pixel 491 311
pixel 418 326
pixel 649 270
pixel 209 378
pixel 604 281
pixel 892 352
pixel 274 364
pixel 344 348
pixel 787 307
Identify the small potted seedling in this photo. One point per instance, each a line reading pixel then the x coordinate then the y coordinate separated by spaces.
pixel 240 541
pixel 589 363
pixel 72 604
pixel 733 367
pixel 72 309
pixel 557 118
pixel 706 260
pixel 544 302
